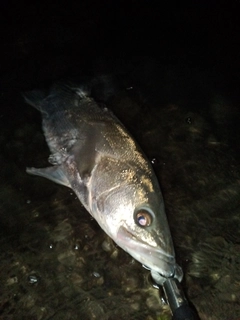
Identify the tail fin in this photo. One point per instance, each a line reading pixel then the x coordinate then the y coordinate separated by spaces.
pixel 64 92
pixel 35 98
pixel 60 94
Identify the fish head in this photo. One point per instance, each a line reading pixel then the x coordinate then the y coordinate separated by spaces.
pixel 134 217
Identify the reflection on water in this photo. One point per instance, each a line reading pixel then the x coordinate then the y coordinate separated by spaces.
pixel 56 263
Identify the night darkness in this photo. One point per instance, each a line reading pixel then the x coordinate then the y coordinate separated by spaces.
pixel 175 70
pixel 197 33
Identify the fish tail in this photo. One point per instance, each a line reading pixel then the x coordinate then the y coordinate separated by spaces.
pixel 60 95
pixel 66 92
pixel 35 98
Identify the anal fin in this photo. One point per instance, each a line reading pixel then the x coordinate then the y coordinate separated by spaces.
pixel 54 173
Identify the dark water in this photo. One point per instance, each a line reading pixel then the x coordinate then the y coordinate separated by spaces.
pixel 177 77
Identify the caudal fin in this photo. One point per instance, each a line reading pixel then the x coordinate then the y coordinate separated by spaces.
pixel 35 98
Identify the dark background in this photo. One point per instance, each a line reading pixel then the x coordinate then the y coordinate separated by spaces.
pixel 55 39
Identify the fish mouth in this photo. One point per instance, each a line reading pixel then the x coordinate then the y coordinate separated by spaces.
pixel 154 258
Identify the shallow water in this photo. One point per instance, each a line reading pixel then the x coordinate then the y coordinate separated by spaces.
pixel 56 263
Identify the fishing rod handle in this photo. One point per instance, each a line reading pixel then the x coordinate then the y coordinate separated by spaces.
pixel 185 312
pixel 178 303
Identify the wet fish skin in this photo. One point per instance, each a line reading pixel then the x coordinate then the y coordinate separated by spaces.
pixel 92 153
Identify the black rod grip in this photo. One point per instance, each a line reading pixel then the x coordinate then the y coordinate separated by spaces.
pixel 178 303
pixel 185 312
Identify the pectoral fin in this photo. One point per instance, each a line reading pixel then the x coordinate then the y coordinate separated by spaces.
pixel 54 173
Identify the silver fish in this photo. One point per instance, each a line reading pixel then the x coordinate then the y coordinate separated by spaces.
pixel 92 153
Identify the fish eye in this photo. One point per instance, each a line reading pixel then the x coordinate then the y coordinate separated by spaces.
pixel 143 218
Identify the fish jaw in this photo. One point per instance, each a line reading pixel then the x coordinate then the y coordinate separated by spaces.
pixel 153 258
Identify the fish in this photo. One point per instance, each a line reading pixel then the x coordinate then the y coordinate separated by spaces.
pixel 93 154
